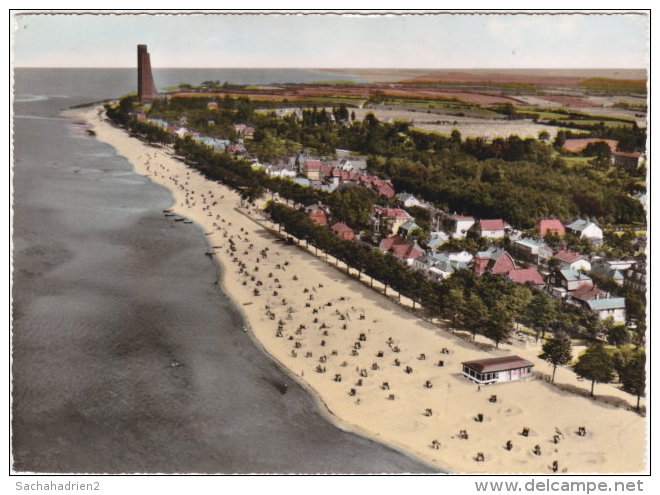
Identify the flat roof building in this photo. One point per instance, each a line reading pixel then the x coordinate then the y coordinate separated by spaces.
pixel 499 369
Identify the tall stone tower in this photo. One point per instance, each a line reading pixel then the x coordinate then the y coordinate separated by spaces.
pixel 146 86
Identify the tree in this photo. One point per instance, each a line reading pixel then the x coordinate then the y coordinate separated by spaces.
pixel 540 313
pixel 354 205
pixel 454 304
pixel 618 335
pixel 556 351
pixel 595 364
pixel 633 376
pixel 475 314
pixel 500 322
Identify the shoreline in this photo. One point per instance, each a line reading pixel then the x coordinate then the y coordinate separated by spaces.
pixel 399 423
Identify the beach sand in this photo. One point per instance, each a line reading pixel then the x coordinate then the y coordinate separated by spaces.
pixel 342 340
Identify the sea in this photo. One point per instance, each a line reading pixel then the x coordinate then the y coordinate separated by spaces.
pixel 126 355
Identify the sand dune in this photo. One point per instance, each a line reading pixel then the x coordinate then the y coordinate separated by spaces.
pixel 351 346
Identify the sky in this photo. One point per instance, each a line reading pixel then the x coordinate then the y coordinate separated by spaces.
pixel 334 41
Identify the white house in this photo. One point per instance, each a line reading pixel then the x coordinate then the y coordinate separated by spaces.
pixel 458 225
pixel 610 306
pixel 409 200
pixel 499 369
pixel 491 229
pixel 441 265
pixel 572 260
pixel 586 229
pixel 531 250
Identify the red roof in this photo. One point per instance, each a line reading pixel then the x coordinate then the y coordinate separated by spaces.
pixel 554 225
pixel 387 243
pixel 393 213
pixel 629 154
pixel 587 291
pixel 496 224
pixel 400 247
pixel 313 165
pixel 568 256
pixel 385 190
pixel 525 275
pixel 406 251
pixel 340 227
pixel 575 145
pixel 498 364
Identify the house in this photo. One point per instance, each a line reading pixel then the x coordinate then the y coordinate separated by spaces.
pixel 440 265
pixel 493 260
pixel 390 219
pixel 353 164
pixel 340 229
pixel 436 240
pixel 569 279
pixel 628 159
pixel 400 248
pixel 408 228
pixel 212 105
pixel 318 213
pixel 584 293
pixel 409 200
pixel 499 369
pixel 586 229
pixel 214 143
pixel 181 132
pixel 614 307
pixel 491 229
pixel 281 168
pixel 550 225
pixel 572 260
pixel 635 278
pixel 244 130
pixel 612 269
pixel 531 250
pixel 384 189
pixel 235 148
pixel 529 276
pixel 458 226
pixel 313 169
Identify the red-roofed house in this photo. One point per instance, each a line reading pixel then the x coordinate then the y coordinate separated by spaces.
pixel 326 170
pixel 572 260
pixel 340 229
pixel 550 226
pixel 494 260
pixel 400 248
pixel 491 229
pixel 386 190
pixel 526 276
pixel 318 213
pixel 627 159
pixel 313 169
pixel 587 292
pixel 392 218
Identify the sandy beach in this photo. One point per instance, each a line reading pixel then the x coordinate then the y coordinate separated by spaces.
pixel 373 365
